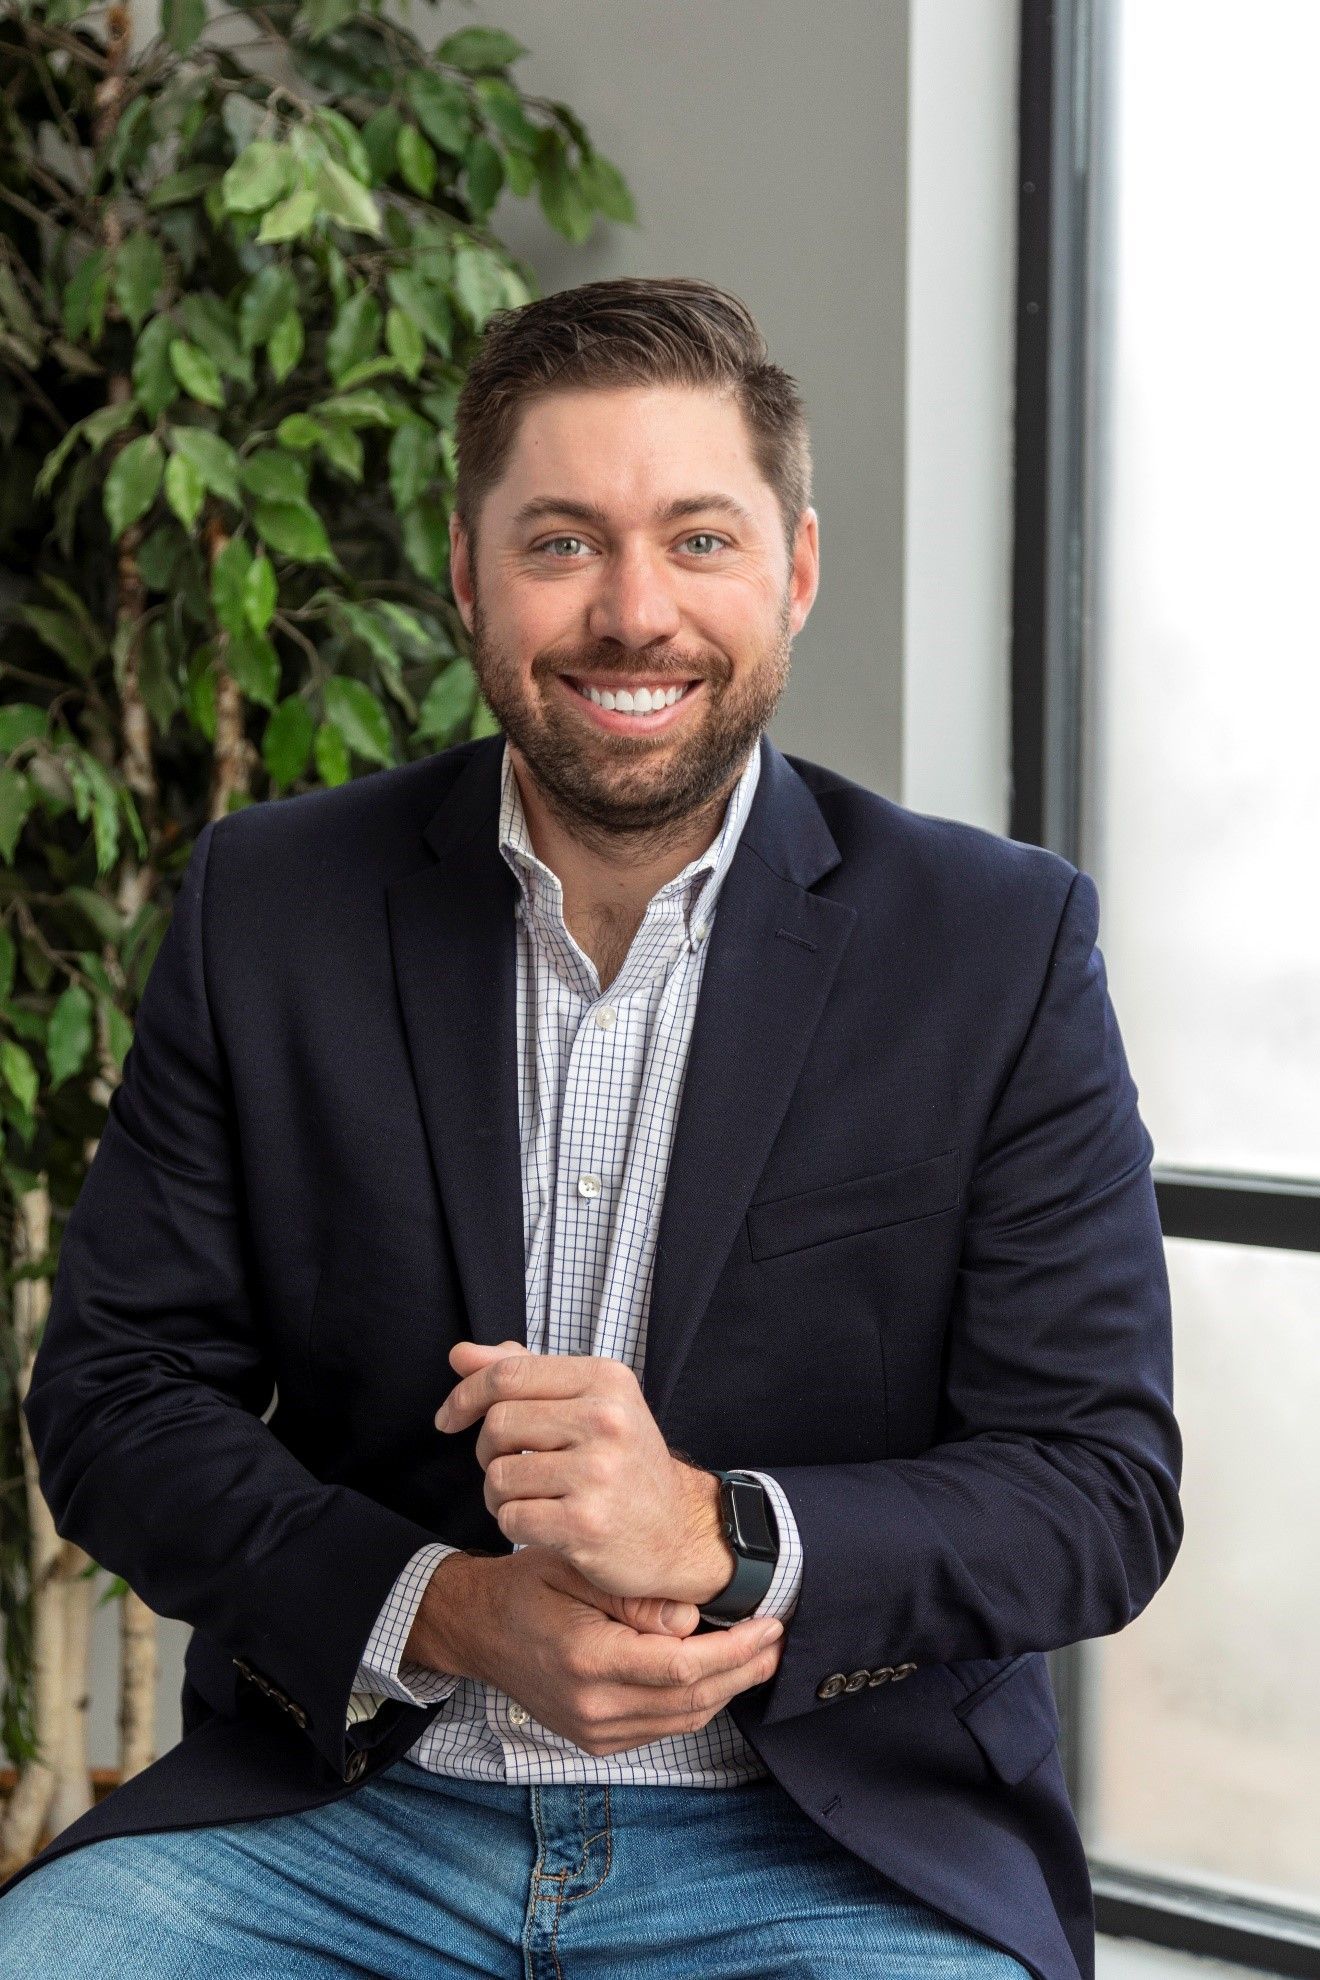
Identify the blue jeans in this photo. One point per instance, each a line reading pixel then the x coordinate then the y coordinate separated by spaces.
pixel 419 1874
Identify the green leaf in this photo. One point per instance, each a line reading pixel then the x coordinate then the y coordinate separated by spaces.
pixel 139 272
pixel 520 170
pixel 6 964
pixel 258 177
pixel 118 1031
pixel 292 216
pixel 255 665
pixel 478 282
pixel 563 201
pixel 261 593
pixel 484 723
pixel 449 701
pixel 132 483
pixel 184 489
pixel 605 186
pixel 379 135
pixel 413 458
pixel 346 199
pixel 267 300
pixel 405 341
pixel 441 108
pixel 360 718
pixel 503 106
pixel 212 324
pixel 474 49
pixel 299 432
pixel 200 691
pixel 20 722
pixel 196 372
pixel 485 177
pixel 343 450
pixel 285 346
pixel 64 635
pixel 229 576
pixel 357 409
pixel 426 541
pixel 18 794
pixel 86 296
pixel 286 746
pixel 101 915
pixel 345 137
pixel 418 165
pixel 408 624
pixel 154 382
pixel 20 1074
pixel 294 530
pixel 274 476
pixel 214 459
pixel 182 22
pixel 331 751
pixel 356 334
pixel 96 792
pixel 178 187
pixel 426 304
pixel 69 1037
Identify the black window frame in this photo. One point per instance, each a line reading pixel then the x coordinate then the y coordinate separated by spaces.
pixel 1062 212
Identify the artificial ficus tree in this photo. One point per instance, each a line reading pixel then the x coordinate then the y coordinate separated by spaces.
pixel 243 264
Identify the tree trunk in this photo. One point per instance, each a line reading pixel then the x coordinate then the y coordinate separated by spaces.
pixel 34 1793
pixel 137 1686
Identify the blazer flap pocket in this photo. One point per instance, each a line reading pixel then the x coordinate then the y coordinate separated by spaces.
pixel 892 1196
pixel 1014 1719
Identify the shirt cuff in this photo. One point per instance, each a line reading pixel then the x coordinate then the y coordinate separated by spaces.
pixel 383 1673
pixel 780 1598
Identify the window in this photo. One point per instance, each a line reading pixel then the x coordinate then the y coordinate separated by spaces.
pixel 1166 709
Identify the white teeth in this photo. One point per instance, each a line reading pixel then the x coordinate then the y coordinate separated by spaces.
pixel 642 701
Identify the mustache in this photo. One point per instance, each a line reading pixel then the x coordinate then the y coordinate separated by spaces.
pixel 585 664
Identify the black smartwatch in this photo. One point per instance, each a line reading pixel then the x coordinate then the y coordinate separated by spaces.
pixel 749 1528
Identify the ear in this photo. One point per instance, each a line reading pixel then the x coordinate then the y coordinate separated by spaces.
pixel 460 569
pixel 804 578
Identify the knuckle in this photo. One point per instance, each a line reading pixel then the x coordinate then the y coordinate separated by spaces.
pixel 497 1417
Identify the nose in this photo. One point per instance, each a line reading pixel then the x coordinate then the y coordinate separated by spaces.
pixel 634 601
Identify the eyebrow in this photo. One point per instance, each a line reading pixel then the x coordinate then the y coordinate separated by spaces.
pixel 587 512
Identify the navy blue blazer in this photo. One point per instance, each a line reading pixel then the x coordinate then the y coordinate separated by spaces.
pixel 909 1261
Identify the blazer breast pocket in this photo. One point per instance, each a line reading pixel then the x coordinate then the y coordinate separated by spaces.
pixel 780 1224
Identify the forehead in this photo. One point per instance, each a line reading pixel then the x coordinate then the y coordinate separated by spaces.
pixel 626 449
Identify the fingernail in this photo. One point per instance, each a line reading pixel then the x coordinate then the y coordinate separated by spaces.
pixel 670 1614
pixel 772 1630
pixel 442 1416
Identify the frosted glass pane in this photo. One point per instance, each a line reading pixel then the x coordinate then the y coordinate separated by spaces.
pixel 1203 787
pixel 1208 1710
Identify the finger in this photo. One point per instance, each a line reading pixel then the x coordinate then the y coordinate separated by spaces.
pixel 530 1426
pixel 667 1666
pixel 514 1378
pixel 627 1722
pixel 512 1476
pixel 465 1357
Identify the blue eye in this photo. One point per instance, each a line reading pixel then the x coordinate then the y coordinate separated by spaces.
pixel 706 536
pixel 551 541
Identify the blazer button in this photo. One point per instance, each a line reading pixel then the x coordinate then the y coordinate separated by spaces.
pixel 831 1686
pixel 881 1676
pixel 857 1680
pixel 902 1671
pixel 356 1767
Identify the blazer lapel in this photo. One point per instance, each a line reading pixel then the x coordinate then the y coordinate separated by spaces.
pixel 452 932
pixel 774 951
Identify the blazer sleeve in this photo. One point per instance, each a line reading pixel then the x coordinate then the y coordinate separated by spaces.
pixel 1048 1510
pixel 153 1372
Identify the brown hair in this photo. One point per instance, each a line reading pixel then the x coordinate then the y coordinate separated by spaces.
pixel 663 330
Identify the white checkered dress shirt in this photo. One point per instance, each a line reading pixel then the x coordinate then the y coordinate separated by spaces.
pixel 599 1081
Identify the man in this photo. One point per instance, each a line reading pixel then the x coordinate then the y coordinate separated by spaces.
pixel 695 1218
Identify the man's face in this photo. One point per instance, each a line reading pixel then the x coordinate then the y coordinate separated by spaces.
pixel 633 544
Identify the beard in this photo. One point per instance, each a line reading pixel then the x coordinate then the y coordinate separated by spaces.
pixel 602 785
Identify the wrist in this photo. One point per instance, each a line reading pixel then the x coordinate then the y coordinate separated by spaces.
pixel 710 1561
pixel 447 1626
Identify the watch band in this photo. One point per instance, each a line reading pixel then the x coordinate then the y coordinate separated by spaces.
pixel 753 1570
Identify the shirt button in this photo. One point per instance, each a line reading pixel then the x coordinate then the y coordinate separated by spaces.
pixel 605 1018
pixel 699 931
pixel 588 1185
pixel 519 1715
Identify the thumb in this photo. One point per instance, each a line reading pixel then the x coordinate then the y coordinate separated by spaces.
pixel 466 1357
pixel 651 1614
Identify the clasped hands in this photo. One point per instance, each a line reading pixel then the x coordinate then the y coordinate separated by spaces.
pixel 575 1461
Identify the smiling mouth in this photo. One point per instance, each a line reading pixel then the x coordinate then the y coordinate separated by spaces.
pixel 632 701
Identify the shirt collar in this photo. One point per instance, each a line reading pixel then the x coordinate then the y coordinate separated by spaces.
pixel 696 886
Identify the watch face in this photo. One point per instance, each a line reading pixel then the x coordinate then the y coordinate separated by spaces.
pixel 752 1534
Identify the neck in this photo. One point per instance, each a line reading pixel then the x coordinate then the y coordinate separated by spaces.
pixel 612 878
